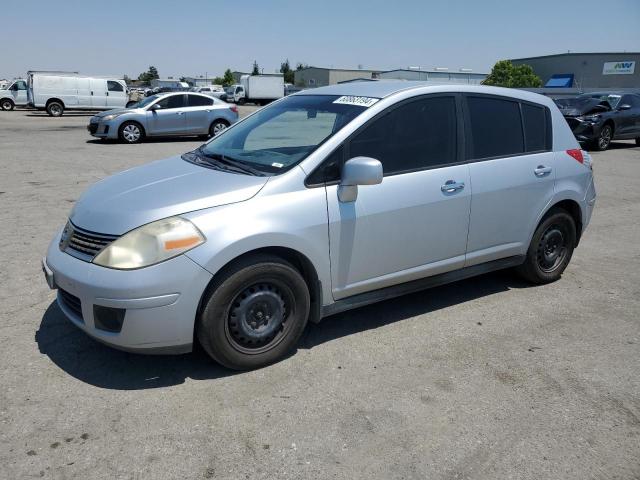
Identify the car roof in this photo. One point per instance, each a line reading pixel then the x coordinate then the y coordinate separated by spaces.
pixel 385 88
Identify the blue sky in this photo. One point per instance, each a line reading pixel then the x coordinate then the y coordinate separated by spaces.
pixel 201 37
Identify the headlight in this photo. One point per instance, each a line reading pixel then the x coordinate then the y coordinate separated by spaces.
pixel 107 118
pixel 591 118
pixel 150 244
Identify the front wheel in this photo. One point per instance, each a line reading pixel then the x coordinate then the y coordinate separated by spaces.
pixel 604 139
pixel 254 314
pixel 130 132
pixel 6 104
pixel 550 249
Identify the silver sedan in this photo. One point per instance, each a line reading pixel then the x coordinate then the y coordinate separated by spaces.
pixel 168 114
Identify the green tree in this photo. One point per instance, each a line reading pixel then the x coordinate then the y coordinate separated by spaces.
pixel 218 81
pixel 301 66
pixel 287 73
pixel 149 75
pixel 506 74
pixel 228 79
pixel 256 68
pixel 126 79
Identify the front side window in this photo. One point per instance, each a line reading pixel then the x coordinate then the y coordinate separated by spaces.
pixel 172 101
pixel 281 135
pixel 198 101
pixel 417 135
pixel 495 128
pixel 20 85
pixel 114 86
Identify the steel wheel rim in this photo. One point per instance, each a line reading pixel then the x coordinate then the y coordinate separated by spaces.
pixel 6 105
pixel 55 109
pixel 218 127
pixel 605 137
pixel 260 316
pixel 131 133
pixel 552 248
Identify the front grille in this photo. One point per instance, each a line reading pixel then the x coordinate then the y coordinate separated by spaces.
pixel 82 243
pixel 93 128
pixel 573 123
pixel 71 302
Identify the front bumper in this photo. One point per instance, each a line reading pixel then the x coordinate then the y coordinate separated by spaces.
pixel 584 131
pixel 160 302
pixel 102 130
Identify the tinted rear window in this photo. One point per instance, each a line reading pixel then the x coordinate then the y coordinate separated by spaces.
pixel 535 127
pixel 198 101
pixel 496 128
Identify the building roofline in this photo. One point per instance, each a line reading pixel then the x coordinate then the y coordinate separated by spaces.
pixel 432 71
pixel 340 69
pixel 576 54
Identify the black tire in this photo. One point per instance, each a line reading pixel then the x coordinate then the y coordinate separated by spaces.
pixel 254 314
pixel 604 139
pixel 7 104
pixel 218 126
pixel 242 101
pixel 551 248
pixel 55 108
pixel 131 132
pixel 638 141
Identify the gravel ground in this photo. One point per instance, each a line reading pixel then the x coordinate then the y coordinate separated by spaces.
pixel 487 378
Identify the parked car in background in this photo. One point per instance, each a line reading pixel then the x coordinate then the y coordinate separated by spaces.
pixel 57 92
pixel 598 118
pixel 327 200
pixel 171 114
pixel 258 89
pixel 212 91
pixel 14 95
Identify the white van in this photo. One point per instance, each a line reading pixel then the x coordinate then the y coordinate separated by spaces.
pixel 56 92
pixel 13 95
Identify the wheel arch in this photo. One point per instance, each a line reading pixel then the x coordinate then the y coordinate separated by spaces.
pixel 125 121
pixel 8 98
pixel 296 258
pixel 55 99
pixel 573 208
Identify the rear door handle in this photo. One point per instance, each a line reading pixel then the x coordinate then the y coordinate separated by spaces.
pixel 451 186
pixel 179 113
pixel 541 171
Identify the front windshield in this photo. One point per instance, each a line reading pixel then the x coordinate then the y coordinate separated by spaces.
pixel 145 101
pixel 279 136
pixel 611 98
pixel 229 90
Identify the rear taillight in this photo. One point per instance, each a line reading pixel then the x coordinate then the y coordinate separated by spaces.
pixel 577 154
pixel 233 108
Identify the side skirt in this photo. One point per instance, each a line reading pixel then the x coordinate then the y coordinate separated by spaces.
pixel 387 293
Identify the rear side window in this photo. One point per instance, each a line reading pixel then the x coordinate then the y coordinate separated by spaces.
pixel 495 128
pixel 198 101
pixel 417 135
pixel 114 86
pixel 535 127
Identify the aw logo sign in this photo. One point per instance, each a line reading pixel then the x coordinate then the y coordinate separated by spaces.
pixel 619 68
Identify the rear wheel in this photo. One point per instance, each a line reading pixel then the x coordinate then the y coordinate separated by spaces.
pixel 130 132
pixel 638 141
pixel 7 104
pixel 604 139
pixel 254 314
pixel 550 249
pixel 55 108
pixel 218 126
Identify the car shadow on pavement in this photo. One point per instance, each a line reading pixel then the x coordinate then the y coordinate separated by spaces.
pixel 109 141
pixel 91 362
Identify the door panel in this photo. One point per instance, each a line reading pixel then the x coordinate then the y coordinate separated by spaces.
pixel 169 120
pixel 198 114
pixel 400 230
pixel 98 89
pixel 116 94
pixel 508 196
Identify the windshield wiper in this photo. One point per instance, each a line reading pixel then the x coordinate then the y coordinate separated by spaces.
pixel 231 163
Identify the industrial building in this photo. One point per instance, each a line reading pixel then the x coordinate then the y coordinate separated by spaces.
pixel 462 76
pixel 586 71
pixel 319 77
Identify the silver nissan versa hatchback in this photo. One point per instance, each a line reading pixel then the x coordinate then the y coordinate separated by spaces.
pixel 323 201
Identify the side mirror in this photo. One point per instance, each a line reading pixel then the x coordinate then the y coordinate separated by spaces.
pixel 358 171
pixel 624 106
pixel 156 106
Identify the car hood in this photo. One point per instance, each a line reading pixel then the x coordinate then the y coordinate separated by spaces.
pixel 117 111
pixel 574 108
pixel 158 190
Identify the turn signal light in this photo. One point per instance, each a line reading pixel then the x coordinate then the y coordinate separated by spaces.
pixel 577 154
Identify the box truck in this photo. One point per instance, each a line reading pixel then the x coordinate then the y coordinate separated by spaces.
pixel 258 89
pixel 13 95
pixel 56 92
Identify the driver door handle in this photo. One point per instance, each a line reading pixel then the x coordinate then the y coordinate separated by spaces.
pixel 541 171
pixel 179 113
pixel 451 186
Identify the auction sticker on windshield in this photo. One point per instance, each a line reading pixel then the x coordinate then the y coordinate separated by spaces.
pixel 358 101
